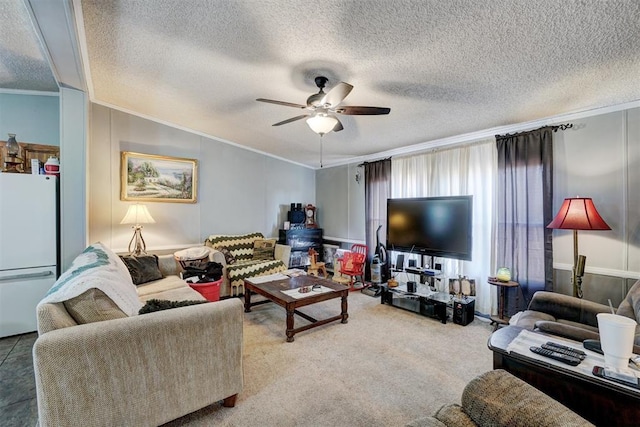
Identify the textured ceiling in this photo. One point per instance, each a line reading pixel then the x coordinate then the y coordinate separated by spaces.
pixel 23 65
pixel 444 68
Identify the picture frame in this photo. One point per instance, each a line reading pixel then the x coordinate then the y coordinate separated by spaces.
pixel 155 178
pixel 329 255
pixel 462 286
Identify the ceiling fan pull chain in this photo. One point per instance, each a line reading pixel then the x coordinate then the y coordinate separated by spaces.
pixel 320 151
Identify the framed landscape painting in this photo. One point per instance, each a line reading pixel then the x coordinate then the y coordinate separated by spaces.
pixel 152 178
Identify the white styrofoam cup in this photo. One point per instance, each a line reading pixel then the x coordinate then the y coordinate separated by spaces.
pixel 616 338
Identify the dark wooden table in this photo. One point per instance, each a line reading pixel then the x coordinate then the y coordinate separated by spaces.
pixel 501 319
pixel 272 290
pixel 602 402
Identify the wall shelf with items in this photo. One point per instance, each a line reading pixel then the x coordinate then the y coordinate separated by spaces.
pixel 300 241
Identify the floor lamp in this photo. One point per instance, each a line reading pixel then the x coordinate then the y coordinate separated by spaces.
pixel 578 213
pixel 137 214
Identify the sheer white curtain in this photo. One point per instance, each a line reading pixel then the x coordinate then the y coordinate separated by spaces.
pixel 466 170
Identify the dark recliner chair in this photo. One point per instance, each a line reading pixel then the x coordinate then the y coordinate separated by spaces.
pixel 575 318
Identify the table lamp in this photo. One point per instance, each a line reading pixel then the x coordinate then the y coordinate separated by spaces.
pixel 137 214
pixel 578 213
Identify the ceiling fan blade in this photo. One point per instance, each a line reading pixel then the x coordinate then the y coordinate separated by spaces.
pixel 336 95
pixel 286 104
pixel 293 119
pixel 338 127
pixel 362 111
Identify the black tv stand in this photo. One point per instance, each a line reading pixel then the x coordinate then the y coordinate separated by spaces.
pixel 429 303
pixel 423 301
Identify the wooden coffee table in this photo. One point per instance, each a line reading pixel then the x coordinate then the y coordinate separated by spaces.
pixel 272 290
pixel 600 401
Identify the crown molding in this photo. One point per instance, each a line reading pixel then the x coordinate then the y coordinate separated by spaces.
pixel 28 92
pixel 487 133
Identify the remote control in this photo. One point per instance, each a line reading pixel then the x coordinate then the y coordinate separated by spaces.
pixel 564 350
pixel 569 360
pixel 575 350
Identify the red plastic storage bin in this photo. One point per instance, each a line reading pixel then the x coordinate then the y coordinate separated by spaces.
pixel 209 290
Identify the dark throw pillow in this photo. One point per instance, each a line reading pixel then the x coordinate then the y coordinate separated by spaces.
pixel 161 304
pixel 143 268
pixel 228 256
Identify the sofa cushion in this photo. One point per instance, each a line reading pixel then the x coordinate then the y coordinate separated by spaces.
pixel 240 246
pixel 162 285
pixel 97 267
pixel 143 268
pixel 497 398
pixel 527 319
pixel 244 270
pixel 263 249
pixel 176 294
pixel 454 415
pixel 93 306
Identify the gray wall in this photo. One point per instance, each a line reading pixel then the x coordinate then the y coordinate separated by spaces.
pixel 600 158
pixel 340 203
pixel 238 190
pixel 33 118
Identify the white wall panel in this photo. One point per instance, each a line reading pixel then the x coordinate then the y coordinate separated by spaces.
pixel 596 159
pixel 633 189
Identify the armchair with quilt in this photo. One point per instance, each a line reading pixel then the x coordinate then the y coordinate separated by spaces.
pixel 575 318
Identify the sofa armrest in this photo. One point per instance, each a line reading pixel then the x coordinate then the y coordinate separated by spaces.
pixel 143 370
pixel 283 253
pixel 499 398
pixel 567 307
pixel 567 331
pixel 217 256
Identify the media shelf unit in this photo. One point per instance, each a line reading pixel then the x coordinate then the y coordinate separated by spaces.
pixel 301 240
pixel 427 302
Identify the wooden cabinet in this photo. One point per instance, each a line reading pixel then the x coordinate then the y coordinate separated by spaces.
pixel 300 241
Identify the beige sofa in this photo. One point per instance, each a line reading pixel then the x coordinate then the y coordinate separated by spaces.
pixel 497 398
pixel 138 370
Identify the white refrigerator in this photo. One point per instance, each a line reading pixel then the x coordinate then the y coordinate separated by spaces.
pixel 28 247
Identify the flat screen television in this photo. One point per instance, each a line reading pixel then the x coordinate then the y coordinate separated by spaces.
pixel 434 226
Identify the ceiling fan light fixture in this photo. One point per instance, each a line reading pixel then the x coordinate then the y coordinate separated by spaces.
pixel 322 123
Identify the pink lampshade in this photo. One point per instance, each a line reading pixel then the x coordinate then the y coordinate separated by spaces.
pixel 578 213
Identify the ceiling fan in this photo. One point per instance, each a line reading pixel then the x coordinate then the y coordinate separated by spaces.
pixel 323 107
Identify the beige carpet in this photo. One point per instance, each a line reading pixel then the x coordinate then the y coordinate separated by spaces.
pixel 385 367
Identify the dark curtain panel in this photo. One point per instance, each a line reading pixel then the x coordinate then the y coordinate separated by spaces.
pixel 524 198
pixel 377 189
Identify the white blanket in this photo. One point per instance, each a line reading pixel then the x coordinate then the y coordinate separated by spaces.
pixel 97 267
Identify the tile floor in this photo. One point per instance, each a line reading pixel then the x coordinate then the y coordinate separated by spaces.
pixel 18 406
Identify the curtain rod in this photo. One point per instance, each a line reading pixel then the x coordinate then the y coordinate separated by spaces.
pixel 562 127
pixel 554 128
pixel 375 161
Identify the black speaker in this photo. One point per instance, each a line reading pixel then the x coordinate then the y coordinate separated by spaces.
pixel 411 287
pixel 438 266
pixel 412 263
pixel 400 262
pixel 463 311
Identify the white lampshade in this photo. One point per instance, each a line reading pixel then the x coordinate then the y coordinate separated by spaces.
pixel 138 214
pixel 322 123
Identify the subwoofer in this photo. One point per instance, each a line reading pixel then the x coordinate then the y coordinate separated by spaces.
pixel 463 311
